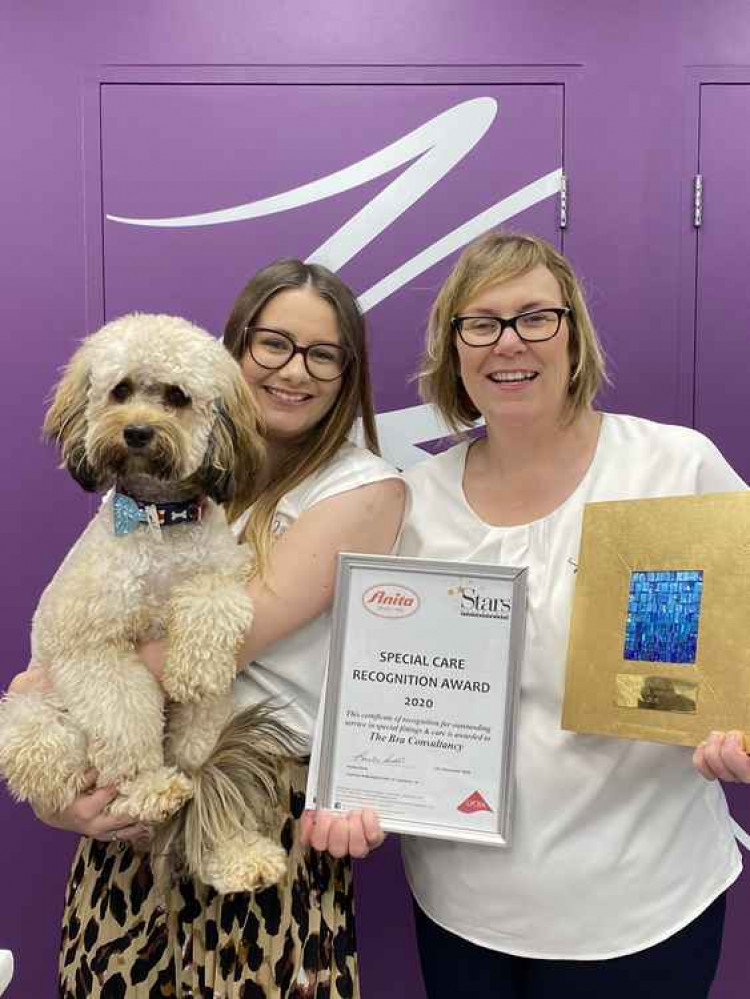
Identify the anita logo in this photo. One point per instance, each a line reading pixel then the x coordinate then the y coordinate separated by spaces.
pixel 389 600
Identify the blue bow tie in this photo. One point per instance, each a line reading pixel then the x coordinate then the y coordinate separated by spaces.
pixel 127 514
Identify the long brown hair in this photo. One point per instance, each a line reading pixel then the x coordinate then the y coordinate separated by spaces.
pixel 320 443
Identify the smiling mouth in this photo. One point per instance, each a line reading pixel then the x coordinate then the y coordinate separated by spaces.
pixel 290 398
pixel 513 376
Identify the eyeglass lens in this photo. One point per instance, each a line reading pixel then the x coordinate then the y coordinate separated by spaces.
pixel 538 325
pixel 273 349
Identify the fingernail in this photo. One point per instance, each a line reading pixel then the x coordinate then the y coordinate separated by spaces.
pixel 716 737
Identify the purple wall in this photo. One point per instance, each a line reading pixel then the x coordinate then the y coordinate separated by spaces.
pixel 631 116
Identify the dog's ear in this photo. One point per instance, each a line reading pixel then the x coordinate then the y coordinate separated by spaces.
pixel 65 422
pixel 235 452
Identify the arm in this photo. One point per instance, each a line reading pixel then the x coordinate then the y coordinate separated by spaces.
pixel 303 574
pixel 302 570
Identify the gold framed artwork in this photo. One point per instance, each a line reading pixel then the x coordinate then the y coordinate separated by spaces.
pixel 659 644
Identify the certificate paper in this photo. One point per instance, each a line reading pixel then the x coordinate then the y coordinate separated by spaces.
pixel 420 703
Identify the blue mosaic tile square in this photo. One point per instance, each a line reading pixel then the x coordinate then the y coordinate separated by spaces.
pixel 663 616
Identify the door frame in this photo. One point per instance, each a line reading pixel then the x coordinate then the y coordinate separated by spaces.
pixel 568 76
pixel 696 77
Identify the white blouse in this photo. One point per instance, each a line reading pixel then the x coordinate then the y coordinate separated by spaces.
pixel 291 671
pixel 616 844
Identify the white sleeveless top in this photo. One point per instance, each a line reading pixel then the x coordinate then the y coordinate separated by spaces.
pixel 291 671
pixel 616 844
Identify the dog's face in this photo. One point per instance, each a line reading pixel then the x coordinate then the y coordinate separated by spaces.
pixel 152 397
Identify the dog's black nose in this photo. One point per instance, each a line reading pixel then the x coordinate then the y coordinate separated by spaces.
pixel 137 436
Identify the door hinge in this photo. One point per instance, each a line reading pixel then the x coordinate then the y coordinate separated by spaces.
pixel 563 201
pixel 698 201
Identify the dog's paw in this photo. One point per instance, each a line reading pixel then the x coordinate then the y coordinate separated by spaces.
pixel 246 862
pixel 153 796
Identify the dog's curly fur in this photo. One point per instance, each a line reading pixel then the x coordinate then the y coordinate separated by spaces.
pixel 165 377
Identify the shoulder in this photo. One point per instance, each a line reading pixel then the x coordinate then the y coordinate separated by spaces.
pixel 682 457
pixel 350 468
pixel 444 468
pixel 351 458
pixel 639 432
pixel 435 492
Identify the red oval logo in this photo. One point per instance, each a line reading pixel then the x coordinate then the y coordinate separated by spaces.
pixel 390 600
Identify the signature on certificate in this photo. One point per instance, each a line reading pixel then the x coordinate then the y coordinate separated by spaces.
pixel 384 761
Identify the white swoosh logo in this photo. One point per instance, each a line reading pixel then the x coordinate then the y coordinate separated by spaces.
pixel 440 144
pixel 432 150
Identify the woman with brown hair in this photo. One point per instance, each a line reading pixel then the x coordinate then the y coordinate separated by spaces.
pixel 614 882
pixel 299 337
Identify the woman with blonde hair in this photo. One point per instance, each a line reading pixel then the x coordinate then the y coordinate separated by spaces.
pixel 614 883
pixel 299 336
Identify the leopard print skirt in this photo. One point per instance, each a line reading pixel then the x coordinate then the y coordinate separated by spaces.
pixel 297 941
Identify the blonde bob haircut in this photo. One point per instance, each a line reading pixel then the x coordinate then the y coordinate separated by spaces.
pixel 320 443
pixel 492 259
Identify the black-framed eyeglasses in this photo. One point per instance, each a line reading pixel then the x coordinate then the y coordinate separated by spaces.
pixel 272 349
pixel 531 327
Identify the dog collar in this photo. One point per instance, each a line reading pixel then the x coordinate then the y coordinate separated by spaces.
pixel 129 513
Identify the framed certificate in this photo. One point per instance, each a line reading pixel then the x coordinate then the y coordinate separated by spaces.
pixel 419 711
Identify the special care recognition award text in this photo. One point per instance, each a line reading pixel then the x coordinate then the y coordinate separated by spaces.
pixel 421 695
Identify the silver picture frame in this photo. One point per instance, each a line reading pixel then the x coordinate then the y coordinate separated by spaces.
pixel 419 711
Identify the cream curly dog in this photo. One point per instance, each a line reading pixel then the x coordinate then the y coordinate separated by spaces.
pixel 156 410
